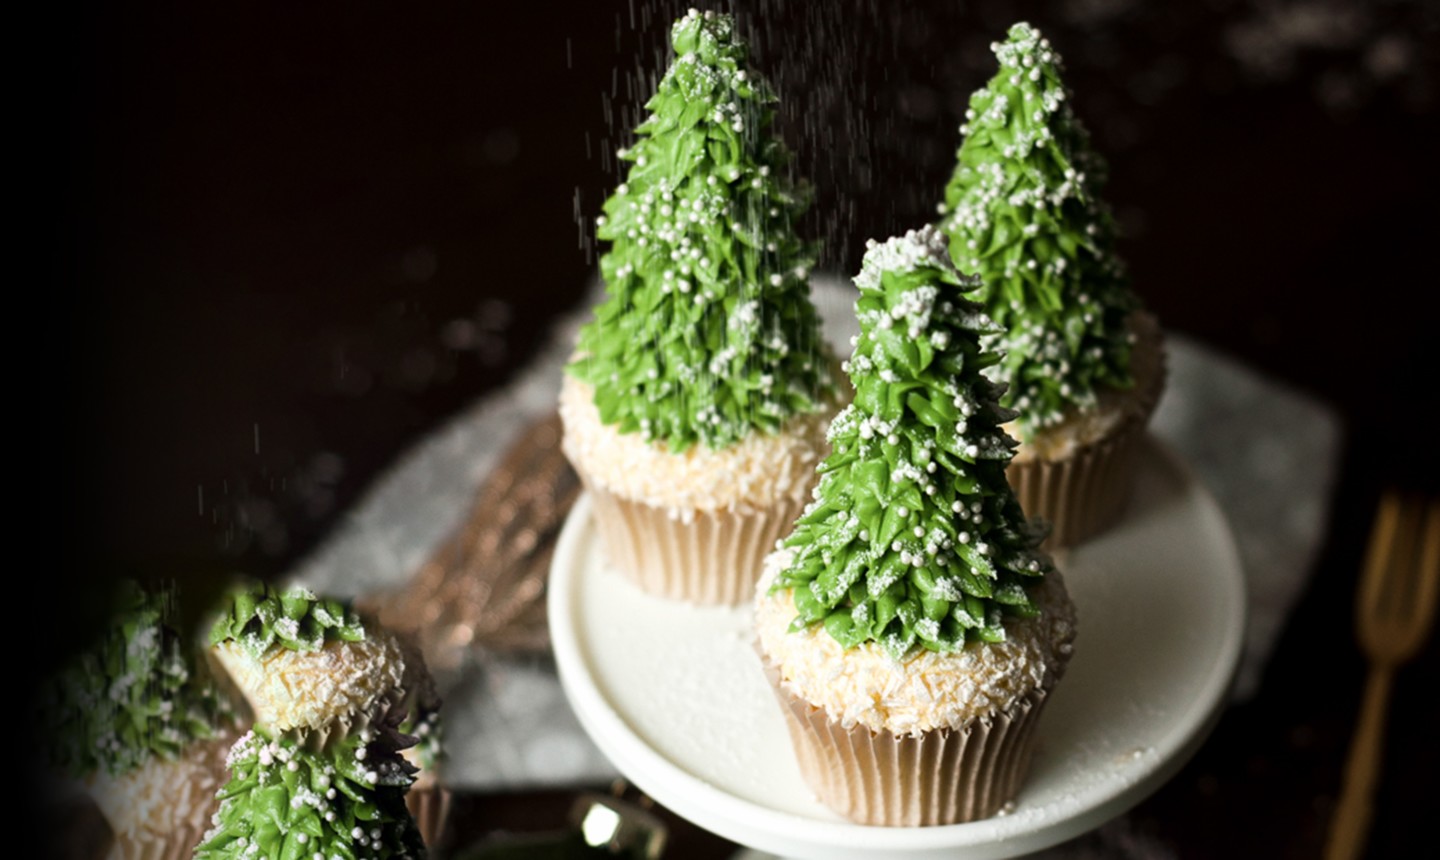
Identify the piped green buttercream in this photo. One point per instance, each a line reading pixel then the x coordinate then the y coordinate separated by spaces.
pixel 915 538
pixel 262 619
pixel 1022 211
pixel 287 802
pixel 707 332
pixel 135 694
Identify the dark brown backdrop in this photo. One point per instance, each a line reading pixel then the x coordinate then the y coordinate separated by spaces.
pixel 296 236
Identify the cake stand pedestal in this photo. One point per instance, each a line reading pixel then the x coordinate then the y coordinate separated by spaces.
pixel 675 695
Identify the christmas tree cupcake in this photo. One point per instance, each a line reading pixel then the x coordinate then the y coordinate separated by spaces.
pixel 137 720
pixel 1083 364
pixel 321 772
pixel 696 403
pixel 910 623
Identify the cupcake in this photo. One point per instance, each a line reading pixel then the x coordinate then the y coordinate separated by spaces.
pixel 910 624
pixel 1083 364
pixel 695 405
pixel 321 773
pixel 138 722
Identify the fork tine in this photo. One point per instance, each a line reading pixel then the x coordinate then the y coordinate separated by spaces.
pixel 1378 555
pixel 1429 585
pixel 1406 570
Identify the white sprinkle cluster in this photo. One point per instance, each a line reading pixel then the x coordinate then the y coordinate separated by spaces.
pixel 1078 427
pixel 923 247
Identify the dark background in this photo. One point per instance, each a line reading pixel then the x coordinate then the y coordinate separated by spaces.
pixel 296 236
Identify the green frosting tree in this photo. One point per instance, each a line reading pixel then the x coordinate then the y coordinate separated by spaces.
pixel 262 618
pixel 914 537
pixel 1022 211
pixel 287 802
pixel 707 331
pixel 135 694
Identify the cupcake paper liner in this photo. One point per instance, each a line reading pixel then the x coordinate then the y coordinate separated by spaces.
pixel 945 776
pixel 430 806
pixel 713 559
pixel 1084 494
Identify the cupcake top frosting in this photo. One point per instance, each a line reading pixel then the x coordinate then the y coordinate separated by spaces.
pixel 914 539
pixel 164 797
pixel 927 690
pixel 707 333
pixel 134 695
pixel 261 618
pixel 304 661
pixel 750 475
pixel 1022 211
pixel 341 683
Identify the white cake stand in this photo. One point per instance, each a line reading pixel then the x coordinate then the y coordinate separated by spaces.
pixel 675 696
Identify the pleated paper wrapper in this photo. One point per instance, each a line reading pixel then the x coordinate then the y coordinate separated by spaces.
pixel 944 776
pixel 713 559
pixel 429 804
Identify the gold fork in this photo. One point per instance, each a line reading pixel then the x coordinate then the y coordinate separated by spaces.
pixel 1394 611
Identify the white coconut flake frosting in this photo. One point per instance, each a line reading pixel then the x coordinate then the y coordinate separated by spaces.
pixel 306 689
pixel 163 797
pixel 864 686
pixel 746 477
pixel 1081 427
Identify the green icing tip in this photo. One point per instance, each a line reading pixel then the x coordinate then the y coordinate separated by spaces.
pixel 914 539
pixel 262 618
pixel 286 801
pixel 134 694
pixel 707 332
pixel 1022 212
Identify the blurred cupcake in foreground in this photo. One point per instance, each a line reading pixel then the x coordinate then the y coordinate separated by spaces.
pixel 136 719
pixel 910 624
pixel 1083 364
pixel 321 773
pixel 696 403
